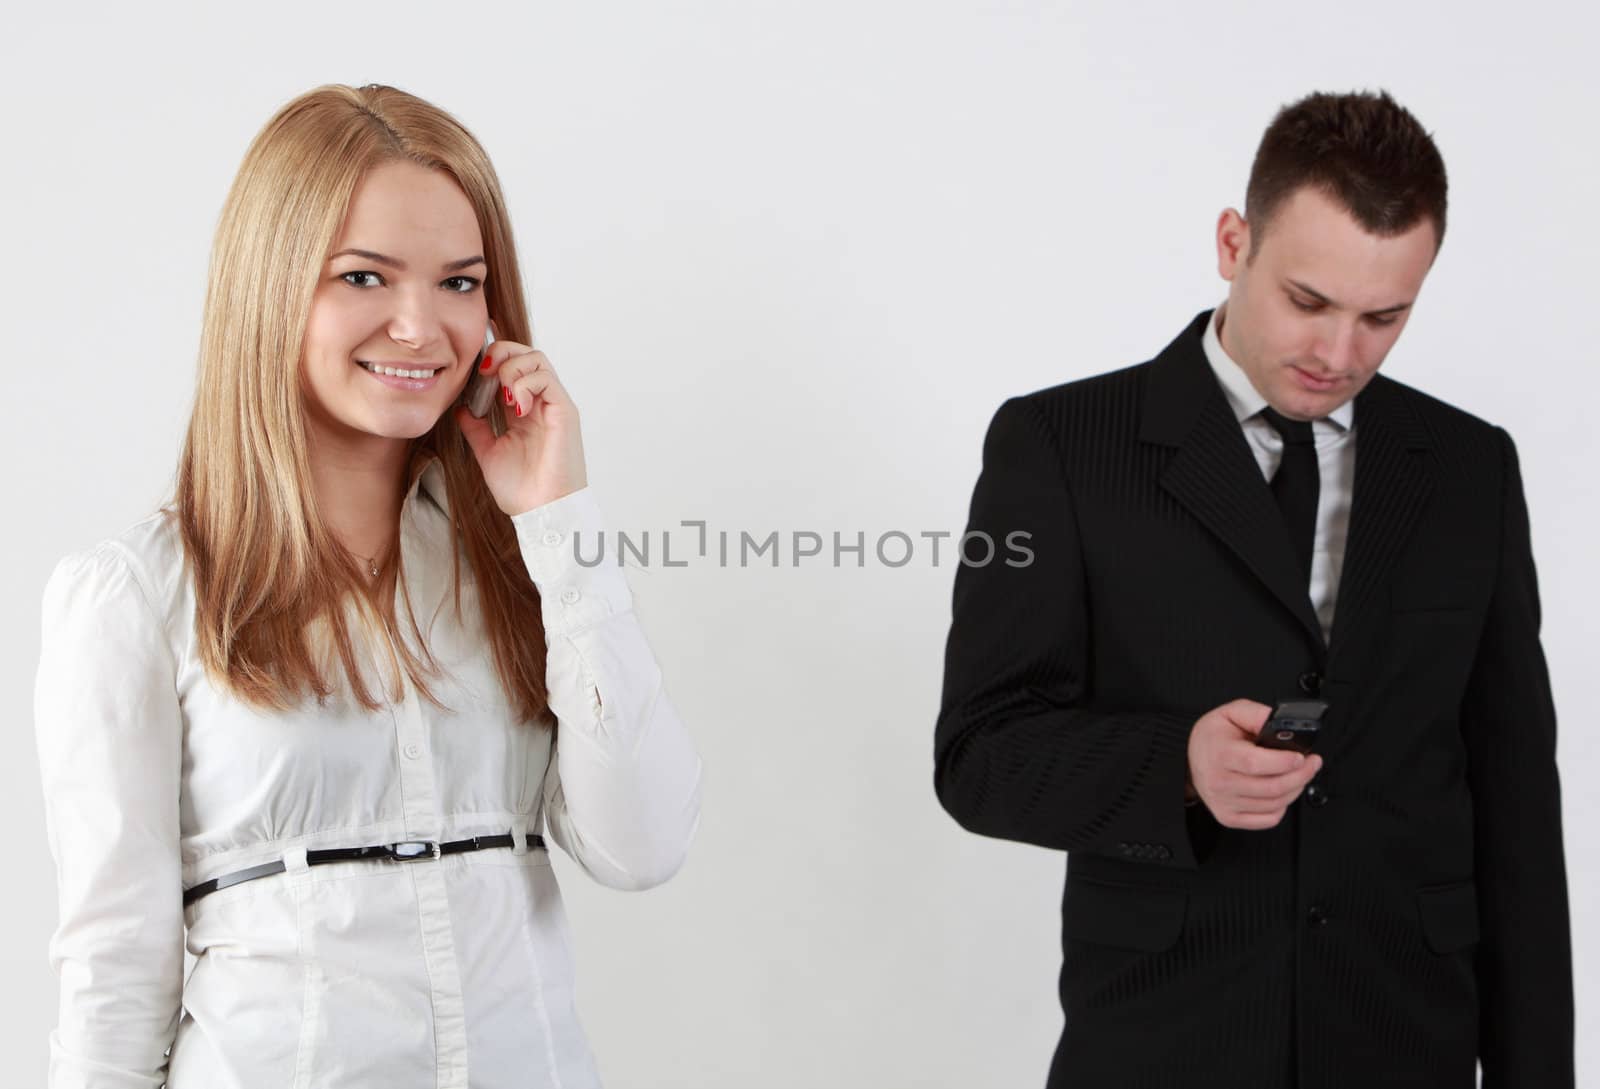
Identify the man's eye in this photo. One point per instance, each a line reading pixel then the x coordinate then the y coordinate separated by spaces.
pixel 1308 307
pixel 1383 321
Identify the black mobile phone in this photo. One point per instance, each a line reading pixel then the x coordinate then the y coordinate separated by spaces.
pixel 1293 725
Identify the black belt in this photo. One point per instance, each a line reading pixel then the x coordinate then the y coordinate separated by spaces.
pixel 407 851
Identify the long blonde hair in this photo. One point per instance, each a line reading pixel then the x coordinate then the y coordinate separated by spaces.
pixel 266 566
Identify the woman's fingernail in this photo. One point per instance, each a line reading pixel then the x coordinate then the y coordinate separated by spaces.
pixel 519 410
pixel 488 362
pixel 507 391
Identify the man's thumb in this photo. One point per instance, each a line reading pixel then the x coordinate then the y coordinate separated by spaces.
pixel 1248 716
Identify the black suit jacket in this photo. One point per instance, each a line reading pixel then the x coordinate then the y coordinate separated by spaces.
pixel 1409 913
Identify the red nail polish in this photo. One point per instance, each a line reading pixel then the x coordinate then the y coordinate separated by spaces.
pixel 487 364
pixel 510 400
pixel 519 410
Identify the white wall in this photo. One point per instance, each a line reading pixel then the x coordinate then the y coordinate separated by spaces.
pixel 788 259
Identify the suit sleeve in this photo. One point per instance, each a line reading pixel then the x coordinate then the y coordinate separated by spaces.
pixel 622 788
pixel 1020 752
pixel 1524 957
pixel 110 738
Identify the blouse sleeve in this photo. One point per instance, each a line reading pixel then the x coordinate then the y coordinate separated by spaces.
pixel 622 791
pixel 110 751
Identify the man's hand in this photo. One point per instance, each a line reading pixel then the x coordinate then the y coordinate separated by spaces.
pixel 1243 784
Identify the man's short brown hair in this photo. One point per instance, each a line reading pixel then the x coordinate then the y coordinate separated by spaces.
pixel 1364 150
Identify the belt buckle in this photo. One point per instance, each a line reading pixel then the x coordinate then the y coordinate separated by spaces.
pixel 412 850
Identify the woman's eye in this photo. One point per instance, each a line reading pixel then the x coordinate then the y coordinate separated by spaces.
pixel 471 283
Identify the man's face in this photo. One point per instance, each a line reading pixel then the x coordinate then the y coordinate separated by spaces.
pixel 429 315
pixel 1311 317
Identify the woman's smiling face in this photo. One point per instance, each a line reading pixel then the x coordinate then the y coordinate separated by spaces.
pixel 411 299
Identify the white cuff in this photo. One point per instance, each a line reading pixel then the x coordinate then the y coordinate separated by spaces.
pixel 564 546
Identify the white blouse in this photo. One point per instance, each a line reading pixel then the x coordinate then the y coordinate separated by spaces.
pixel 451 972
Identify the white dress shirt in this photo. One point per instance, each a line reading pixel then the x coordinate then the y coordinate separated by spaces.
pixel 1335 439
pixel 447 972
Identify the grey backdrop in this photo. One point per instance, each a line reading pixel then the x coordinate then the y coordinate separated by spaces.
pixel 788 259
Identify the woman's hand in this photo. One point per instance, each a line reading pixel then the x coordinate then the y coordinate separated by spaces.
pixel 540 457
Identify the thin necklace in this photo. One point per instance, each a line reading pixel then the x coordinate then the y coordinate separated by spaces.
pixel 372 564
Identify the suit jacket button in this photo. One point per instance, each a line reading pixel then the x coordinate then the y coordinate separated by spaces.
pixel 1311 683
pixel 1317 916
pixel 1316 795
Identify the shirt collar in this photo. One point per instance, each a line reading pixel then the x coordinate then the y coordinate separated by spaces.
pixel 427 477
pixel 1242 395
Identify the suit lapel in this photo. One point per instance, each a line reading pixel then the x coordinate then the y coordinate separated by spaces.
pixel 1394 477
pixel 1216 478
pixel 1214 475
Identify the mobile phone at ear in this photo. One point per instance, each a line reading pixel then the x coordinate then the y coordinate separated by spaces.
pixel 482 389
pixel 1293 725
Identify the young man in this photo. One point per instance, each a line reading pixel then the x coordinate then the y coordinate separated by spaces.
pixel 1257 514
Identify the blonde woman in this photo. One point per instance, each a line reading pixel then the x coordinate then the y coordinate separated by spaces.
pixel 312 716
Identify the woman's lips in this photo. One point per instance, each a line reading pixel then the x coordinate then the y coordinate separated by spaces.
pixel 409 384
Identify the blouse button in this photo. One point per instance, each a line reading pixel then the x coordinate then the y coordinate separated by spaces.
pixel 551 538
pixel 570 596
pixel 412 752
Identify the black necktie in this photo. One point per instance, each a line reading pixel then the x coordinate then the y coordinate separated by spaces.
pixel 1296 483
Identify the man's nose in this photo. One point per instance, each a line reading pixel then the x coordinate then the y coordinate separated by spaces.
pixel 1337 349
